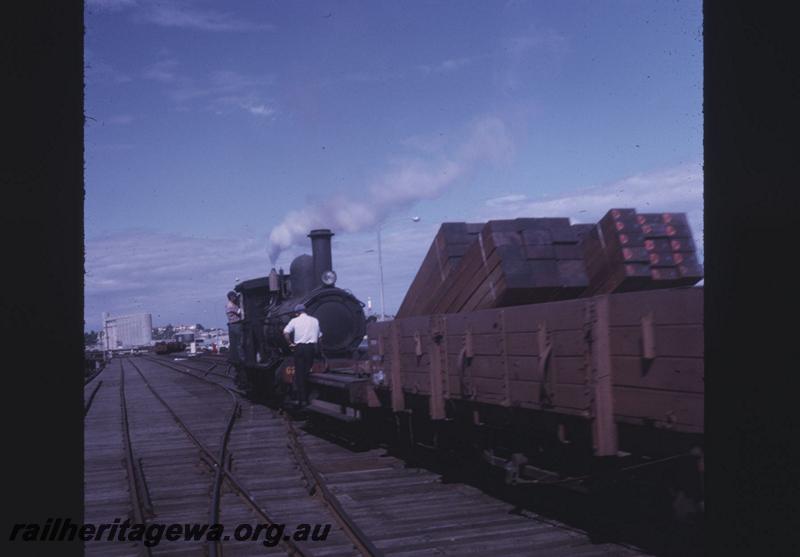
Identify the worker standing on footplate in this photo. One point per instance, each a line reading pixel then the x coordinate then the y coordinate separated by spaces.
pixel 233 311
pixel 306 331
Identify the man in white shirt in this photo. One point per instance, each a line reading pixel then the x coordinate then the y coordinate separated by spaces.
pixel 306 332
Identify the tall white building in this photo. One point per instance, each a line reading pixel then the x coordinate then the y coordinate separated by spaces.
pixel 127 331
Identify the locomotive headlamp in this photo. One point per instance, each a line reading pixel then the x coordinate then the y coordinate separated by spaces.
pixel 329 278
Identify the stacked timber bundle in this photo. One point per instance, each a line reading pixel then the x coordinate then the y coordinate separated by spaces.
pixel 629 251
pixel 520 261
pixel 533 260
pixel 446 251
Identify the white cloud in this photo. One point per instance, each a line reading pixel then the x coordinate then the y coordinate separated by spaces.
pixel 488 139
pixel 446 66
pixel 220 91
pixel 110 5
pixel 183 279
pixel 180 14
pixel 111 147
pixel 677 189
pixel 537 50
pixel 165 274
pixel 229 80
pixel 98 70
pixel 547 40
pixel 163 71
pixel 511 4
pixel 260 110
pixel 185 16
pixel 427 144
pixel 506 200
pixel 367 76
pixel 120 119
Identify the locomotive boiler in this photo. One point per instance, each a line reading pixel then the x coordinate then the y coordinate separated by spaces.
pixel 268 304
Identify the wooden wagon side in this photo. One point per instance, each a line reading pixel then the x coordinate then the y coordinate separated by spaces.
pixel 630 358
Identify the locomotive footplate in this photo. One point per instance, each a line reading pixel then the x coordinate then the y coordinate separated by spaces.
pixel 336 411
pixel 341 388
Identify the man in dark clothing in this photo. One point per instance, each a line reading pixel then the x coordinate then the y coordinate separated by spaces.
pixel 234 313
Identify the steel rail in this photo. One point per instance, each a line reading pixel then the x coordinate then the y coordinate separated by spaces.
pixel 91 398
pixel 318 487
pixel 216 548
pixel 221 470
pixel 133 484
pixel 205 372
pixel 348 526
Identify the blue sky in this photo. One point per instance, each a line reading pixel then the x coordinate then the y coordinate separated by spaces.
pixel 219 133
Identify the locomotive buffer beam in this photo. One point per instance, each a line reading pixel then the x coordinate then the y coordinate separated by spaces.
pixel 339 395
pixel 346 388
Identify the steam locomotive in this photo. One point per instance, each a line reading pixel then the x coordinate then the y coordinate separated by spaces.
pixel 268 304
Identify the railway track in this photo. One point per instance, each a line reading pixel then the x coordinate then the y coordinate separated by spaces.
pixel 401 511
pixel 141 506
pixel 106 485
pixel 176 458
pixel 94 388
pixel 212 444
pixel 316 485
pixel 248 429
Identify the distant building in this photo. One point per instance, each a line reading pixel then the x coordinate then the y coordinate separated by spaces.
pixel 184 337
pixel 127 331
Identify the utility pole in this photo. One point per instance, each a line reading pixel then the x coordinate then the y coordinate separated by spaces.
pixel 380 264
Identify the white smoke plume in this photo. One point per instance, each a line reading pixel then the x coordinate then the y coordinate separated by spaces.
pixel 487 140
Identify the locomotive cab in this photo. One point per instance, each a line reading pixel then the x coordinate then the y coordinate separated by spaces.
pixel 254 300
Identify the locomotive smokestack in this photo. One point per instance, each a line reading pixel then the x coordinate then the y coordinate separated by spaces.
pixel 274 285
pixel 321 252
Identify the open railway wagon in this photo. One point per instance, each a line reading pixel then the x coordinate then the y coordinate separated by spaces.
pixel 584 361
pixel 168 347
